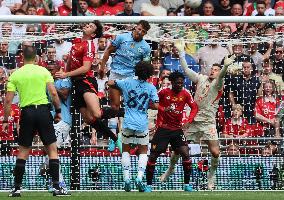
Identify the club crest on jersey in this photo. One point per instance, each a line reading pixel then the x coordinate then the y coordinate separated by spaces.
pixel 154 146
pixel 132 45
pixel 168 97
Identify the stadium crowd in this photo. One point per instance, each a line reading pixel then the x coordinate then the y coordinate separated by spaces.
pixel 253 89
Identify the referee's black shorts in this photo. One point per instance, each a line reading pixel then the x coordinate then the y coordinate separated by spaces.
pixel 36 119
pixel 81 86
pixel 163 137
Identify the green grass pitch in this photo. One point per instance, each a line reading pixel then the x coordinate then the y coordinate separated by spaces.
pixel 156 195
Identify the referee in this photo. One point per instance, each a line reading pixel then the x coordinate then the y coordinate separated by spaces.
pixel 31 82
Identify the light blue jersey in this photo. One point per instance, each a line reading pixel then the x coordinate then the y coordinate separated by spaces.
pixel 137 94
pixel 128 54
pixel 65 105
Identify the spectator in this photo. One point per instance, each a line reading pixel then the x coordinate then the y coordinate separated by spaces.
pixel 224 8
pixel 3 9
pixel 210 54
pixel 185 10
pixel 237 10
pixel 167 4
pixel 6 30
pixel 263 8
pixel 128 9
pixel 84 9
pixel 237 126
pixel 278 58
pixel 233 149
pixel 171 12
pixel 244 91
pixel 267 74
pixel 153 9
pixel 255 55
pixel 51 58
pixel 7 137
pixel 7 59
pixel 208 8
pixel 62 48
pixel 65 9
pixel 265 110
pixel 279 11
pixel 113 7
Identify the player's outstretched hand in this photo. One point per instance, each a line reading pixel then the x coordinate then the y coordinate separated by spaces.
pixel 180 44
pixel 60 75
pixel 229 60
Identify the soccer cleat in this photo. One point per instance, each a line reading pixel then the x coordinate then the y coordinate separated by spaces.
pixel 211 180
pixel 188 188
pixel 127 186
pixel 61 192
pixel 15 193
pixel 164 177
pixel 50 189
pixel 140 185
pixel 148 188
pixel 111 145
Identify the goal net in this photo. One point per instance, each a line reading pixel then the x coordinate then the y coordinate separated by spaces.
pixel 250 139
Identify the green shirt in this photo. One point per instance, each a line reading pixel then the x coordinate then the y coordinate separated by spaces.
pixel 30 82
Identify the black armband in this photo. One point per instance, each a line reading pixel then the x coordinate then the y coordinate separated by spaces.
pixel 58 110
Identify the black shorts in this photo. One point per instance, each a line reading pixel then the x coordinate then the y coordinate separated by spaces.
pixel 36 119
pixel 81 86
pixel 163 137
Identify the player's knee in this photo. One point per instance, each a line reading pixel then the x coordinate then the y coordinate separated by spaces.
pixel 215 153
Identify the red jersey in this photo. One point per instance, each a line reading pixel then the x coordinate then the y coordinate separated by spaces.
pixel 267 108
pixel 12 119
pixel 236 129
pixel 172 119
pixel 64 10
pixel 57 62
pixel 113 10
pixel 82 50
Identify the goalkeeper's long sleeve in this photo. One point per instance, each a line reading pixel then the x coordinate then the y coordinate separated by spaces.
pixel 192 75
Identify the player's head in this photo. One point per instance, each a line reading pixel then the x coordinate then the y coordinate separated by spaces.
pixel 177 80
pixel 93 29
pixel 52 67
pixel 29 53
pixel 215 70
pixel 144 70
pixel 140 30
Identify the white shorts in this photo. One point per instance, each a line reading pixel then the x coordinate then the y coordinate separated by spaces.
pixel 62 130
pixel 201 131
pixel 115 76
pixel 133 137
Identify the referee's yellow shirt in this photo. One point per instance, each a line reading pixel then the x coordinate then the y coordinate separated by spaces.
pixel 30 82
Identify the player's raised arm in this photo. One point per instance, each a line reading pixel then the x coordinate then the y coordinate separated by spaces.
pixel 193 76
pixel 227 62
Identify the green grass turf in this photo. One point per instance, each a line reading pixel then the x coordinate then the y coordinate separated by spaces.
pixel 238 195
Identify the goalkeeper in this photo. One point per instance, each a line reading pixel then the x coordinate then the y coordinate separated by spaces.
pixel 208 92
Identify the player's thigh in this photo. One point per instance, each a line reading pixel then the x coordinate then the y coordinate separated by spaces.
pixel 178 140
pixel 193 133
pixel 209 132
pixel 44 125
pixel 93 104
pixel 62 130
pixel 213 146
pixel 160 140
pixel 27 127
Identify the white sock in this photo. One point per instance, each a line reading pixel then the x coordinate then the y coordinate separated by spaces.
pixel 214 165
pixel 61 179
pixel 125 162
pixel 173 160
pixel 46 160
pixel 142 163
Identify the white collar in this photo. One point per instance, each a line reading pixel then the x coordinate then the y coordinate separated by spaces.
pixel 269 99
pixel 237 121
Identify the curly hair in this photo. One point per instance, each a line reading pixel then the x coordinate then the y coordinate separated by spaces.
pixel 144 70
pixel 99 30
pixel 175 75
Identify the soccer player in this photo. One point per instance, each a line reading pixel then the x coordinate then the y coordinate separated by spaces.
pixel 86 88
pixel 31 82
pixel 137 95
pixel 207 95
pixel 62 127
pixel 169 127
pixel 128 48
